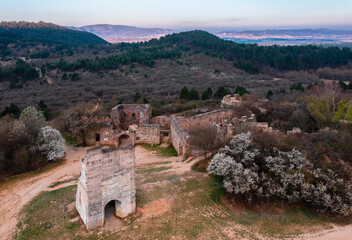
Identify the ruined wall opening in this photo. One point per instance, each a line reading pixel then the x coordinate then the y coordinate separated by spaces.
pixel 112 211
pixel 124 140
pixel 97 137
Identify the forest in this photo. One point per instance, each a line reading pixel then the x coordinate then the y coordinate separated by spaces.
pixel 24 33
pixel 249 57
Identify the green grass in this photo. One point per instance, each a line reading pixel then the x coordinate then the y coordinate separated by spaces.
pixel 55 184
pixel 152 170
pixel 46 217
pixel 168 151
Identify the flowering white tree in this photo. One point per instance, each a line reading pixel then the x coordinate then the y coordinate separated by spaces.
pixel 51 143
pixel 286 175
pixel 33 119
pixel 236 164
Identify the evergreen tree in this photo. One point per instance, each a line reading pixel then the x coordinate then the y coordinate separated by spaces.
pixel 184 93
pixel 145 101
pixel 75 77
pixel 42 107
pixel 12 110
pixel 222 92
pixel 298 87
pixel 64 76
pixel 136 97
pixel 207 94
pixel 269 94
pixel 241 91
pixel 343 85
pixel 193 94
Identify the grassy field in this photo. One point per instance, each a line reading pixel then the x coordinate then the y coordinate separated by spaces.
pixel 161 151
pixel 197 211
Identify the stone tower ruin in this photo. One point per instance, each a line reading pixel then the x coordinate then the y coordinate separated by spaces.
pixel 107 174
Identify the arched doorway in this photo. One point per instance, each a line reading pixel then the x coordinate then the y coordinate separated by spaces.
pixel 112 214
pixel 109 210
pixel 124 140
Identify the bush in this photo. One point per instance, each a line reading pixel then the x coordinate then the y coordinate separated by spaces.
pixel 256 174
pixel 51 143
pixel 28 143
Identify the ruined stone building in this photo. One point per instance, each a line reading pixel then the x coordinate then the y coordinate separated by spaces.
pixel 134 124
pixel 107 175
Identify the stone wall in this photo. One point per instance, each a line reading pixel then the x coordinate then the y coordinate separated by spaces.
pixel 106 175
pixel 221 117
pixel 163 121
pixel 179 137
pixel 229 101
pixel 148 133
pixel 125 115
pixel 111 137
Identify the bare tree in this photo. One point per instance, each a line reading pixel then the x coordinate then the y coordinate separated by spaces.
pixel 79 120
pixel 205 139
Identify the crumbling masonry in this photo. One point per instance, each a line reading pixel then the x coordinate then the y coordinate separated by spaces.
pixel 106 175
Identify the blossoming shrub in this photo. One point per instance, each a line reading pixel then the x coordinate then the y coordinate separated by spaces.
pixel 51 143
pixel 256 174
pixel 27 143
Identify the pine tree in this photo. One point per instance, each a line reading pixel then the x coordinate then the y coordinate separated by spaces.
pixel 42 107
pixel 207 94
pixel 184 93
pixel 136 97
pixel 222 92
pixel 269 94
pixel 193 94
pixel 241 91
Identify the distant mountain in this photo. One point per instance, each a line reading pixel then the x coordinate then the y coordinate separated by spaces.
pixel 26 32
pixel 121 33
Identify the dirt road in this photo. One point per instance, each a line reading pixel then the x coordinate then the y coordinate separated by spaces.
pixel 15 194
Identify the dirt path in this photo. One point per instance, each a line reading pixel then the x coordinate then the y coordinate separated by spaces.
pixel 15 194
pixel 337 233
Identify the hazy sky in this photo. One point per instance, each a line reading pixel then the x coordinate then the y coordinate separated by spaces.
pixel 184 14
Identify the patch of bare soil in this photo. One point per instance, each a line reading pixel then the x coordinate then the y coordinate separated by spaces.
pixel 15 194
pixel 157 208
pixel 336 233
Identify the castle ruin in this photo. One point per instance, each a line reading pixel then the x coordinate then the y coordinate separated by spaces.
pixel 107 175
